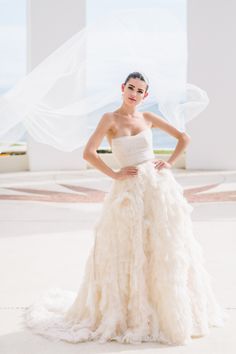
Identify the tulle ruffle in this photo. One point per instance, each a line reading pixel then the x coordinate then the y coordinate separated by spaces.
pixel 145 277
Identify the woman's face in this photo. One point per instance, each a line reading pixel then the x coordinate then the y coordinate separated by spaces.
pixel 134 91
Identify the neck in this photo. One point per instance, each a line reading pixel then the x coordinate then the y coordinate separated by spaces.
pixel 127 110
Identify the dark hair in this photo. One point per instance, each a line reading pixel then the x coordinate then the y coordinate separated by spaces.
pixel 137 75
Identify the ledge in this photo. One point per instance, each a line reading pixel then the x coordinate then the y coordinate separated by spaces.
pixel 111 161
pixel 15 161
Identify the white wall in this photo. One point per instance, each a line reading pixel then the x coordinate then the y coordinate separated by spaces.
pixel 49 24
pixel 212 66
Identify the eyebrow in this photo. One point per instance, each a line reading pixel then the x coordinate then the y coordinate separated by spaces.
pixel 134 86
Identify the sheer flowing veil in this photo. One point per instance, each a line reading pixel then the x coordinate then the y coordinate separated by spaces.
pixel 61 101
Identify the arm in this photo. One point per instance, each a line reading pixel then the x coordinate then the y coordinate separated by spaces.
pixel 183 138
pixel 90 151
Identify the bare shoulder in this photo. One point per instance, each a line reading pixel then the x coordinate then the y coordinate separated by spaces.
pixel 152 119
pixel 147 119
pixel 106 122
pixel 155 120
pixel 158 122
pixel 102 129
pixel 106 118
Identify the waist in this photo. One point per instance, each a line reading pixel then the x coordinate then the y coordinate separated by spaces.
pixel 135 159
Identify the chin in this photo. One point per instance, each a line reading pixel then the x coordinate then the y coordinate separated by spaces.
pixel 130 103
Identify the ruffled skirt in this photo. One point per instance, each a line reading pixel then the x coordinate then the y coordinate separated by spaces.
pixel 144 279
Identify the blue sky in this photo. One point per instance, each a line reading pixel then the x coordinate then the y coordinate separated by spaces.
pixel 12 12
pixel 109 5
pixel 12 42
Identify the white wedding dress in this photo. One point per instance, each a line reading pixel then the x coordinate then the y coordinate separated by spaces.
pixel 145 278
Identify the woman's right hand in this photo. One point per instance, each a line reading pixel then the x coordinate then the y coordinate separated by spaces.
pixel 126 172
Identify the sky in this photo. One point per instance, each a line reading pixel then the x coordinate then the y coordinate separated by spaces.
pixel 12 42
pixel 109 5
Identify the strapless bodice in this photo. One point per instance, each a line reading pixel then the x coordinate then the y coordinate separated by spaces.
pixel 133 149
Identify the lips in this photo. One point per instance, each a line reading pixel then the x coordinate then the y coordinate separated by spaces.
pixel 132 99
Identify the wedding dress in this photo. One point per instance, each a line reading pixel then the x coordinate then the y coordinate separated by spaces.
pixel 145 278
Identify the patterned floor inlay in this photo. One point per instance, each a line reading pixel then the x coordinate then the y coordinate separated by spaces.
pixel 91 195
pixel 83 195
pixel 195 195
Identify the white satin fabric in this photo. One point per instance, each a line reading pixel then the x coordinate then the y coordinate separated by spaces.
pixel 142 149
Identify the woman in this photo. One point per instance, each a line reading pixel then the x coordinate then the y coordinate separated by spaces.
pixel 145 278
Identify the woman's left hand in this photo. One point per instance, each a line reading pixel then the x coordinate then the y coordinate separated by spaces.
pixel 159 164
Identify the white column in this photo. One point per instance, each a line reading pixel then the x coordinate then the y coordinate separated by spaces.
pixel 212 66
pixel 50 23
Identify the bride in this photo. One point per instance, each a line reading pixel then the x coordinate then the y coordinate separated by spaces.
pixel 145 279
